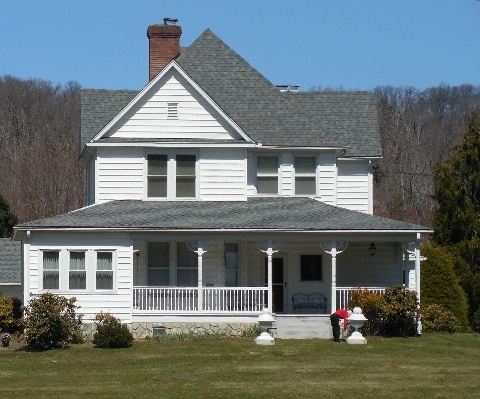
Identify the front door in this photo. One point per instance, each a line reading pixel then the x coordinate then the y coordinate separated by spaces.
pixel 277 283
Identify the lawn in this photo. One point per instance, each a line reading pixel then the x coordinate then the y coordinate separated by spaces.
pixel 431 366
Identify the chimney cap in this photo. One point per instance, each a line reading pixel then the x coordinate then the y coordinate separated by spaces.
pixel 169 21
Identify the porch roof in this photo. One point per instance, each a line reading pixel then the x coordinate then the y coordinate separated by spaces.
pixel 255 214
pixel 10 261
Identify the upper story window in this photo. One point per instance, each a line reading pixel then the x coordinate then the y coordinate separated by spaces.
pixel 305 175
pixel 185 176
pixel 267 175
pixel 171 176
pixel 157 176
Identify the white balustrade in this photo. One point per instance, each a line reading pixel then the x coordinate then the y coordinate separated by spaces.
pixel 185 299
pixel 344 294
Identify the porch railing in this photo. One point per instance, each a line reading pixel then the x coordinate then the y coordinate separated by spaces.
pixel 344 294
pixel 185 299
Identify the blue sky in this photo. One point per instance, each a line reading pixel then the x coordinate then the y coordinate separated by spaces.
pixel 353 44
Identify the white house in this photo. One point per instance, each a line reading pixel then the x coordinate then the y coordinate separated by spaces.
pixel 213 193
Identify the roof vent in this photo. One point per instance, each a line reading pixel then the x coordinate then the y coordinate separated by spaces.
pixel 170 21
pixel 288 87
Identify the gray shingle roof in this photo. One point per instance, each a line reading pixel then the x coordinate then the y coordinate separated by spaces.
pixel 258 213
pixel 10 261
pixel 267 115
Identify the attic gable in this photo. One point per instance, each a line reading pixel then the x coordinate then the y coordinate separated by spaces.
pixel 172 107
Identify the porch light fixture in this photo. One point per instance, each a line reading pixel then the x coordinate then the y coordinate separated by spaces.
pixel 372 249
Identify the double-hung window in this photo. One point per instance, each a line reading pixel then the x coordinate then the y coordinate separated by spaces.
pixel 77 276
pixel 157 175
pixel 171 176
pixel 158 264
pixel 305 175
pixel 104 272
pixel 51 272
pixel 267 175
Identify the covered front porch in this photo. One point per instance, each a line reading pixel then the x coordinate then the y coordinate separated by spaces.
pixel 241 277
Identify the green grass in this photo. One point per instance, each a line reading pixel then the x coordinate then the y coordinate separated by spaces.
pixel 431 366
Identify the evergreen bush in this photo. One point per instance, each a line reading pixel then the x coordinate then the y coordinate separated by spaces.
pixel 9 314
pixel 476 321
pixel 399 311
pixel 51 321
pixel 110 332
pixel 440 284
pixel 371 304
pixel 437 319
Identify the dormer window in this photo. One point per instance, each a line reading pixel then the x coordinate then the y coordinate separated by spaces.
pixel 172 110
pixel 305 175
pixel 267 175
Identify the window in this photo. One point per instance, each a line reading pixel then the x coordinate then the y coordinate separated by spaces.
pixel 171 176
pixel 185 178
pixel 158 264
pixel 50 270
pixel 187 266
pixel 104 273
pixel 77 275
pixel 311 267
pixel 231 265
pixel 267 175
pixel 305 174
pixel 157 176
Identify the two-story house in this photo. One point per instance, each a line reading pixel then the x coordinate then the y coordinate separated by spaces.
pixel 213 193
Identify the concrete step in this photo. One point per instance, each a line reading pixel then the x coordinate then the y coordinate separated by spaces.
pixel 302 326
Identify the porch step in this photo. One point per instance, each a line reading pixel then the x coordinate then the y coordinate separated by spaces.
pixel 302 326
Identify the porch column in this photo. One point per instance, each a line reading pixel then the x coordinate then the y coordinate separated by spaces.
pixel 269 247
pixel 200 248
pixel 417 277
pixel 334 248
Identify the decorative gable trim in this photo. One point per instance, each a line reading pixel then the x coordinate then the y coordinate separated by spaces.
pixel 172 65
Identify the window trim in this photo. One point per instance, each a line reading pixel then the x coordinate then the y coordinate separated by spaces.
pixel 95 267
pixel 85 252
pixel 171 174
pixel 277 175
pixel 59 252
pixel 310 174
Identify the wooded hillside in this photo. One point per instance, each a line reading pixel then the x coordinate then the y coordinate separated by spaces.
pixel 39 124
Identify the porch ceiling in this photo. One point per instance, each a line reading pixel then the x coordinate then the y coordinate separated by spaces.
pixel 266 214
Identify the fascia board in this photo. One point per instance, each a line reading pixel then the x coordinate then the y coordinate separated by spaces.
pixel 172 64
pixel 173 145
pixel 290 148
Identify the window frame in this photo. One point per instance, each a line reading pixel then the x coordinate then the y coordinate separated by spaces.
pixel 113 254
pixel 313 174
pixel 85 267
pixel 171 174
pixel 58 252
pixel 277 174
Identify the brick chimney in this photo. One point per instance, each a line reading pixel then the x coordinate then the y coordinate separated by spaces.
pixel 164 45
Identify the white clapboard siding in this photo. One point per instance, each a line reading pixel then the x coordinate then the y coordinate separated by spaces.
pixel 223 175
pixel 327 177
pixel 196 117
pixel 286 175
pixel 119 174
pixel 91 183
pixel 117 302
pixel 251 174
pixel 352 185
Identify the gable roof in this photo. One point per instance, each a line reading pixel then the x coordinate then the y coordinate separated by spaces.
pixel 267 115
pixel 257 213
pixel 10 261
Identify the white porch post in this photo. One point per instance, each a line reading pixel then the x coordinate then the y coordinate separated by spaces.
pixel 417 277
pixel 334 248
pixel 269 247
pixel 200 276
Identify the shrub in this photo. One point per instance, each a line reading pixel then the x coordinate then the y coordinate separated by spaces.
pixel 400 311
pixel 437 319
pixel 476 321
pixel 110 332
pixel 440 284
pixel 371 304
pixel 252 331
pixel 9 314
pixel 52 321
